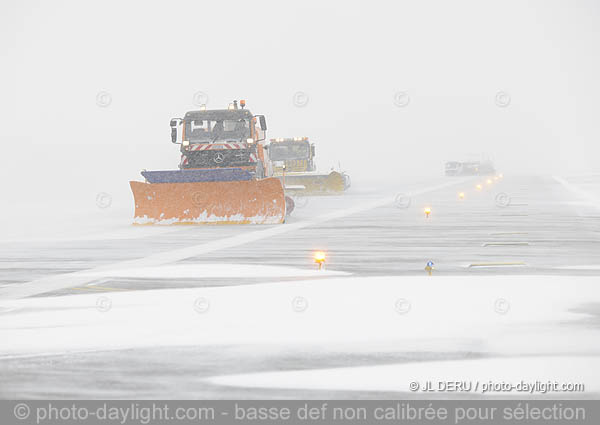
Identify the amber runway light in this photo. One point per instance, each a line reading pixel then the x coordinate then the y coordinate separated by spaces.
pixel 319 258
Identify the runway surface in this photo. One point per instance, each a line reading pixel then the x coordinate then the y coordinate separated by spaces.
pixel 532 243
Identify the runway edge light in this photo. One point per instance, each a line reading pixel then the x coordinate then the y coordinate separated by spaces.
pixel 429 267
pixel 319 258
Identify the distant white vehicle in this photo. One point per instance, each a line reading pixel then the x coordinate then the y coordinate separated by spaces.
pixel 470 168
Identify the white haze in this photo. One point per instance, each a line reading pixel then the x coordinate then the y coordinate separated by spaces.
pixel 350 58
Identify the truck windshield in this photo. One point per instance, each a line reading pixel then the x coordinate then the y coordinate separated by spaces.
pixel 281 152
pixel 203 131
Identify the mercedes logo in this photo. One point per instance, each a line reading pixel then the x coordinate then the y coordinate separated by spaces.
pixel 219 158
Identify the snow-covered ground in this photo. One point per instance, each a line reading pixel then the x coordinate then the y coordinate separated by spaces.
pixel 496 312
pixel 245 312
pixel 481 376
pixel 517 321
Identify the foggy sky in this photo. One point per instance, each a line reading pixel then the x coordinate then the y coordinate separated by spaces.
pixel 349 58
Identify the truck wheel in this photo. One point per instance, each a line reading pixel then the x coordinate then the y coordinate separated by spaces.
pixel 289 205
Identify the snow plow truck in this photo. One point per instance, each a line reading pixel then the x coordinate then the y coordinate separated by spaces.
pixel 224 176
pixel 294 164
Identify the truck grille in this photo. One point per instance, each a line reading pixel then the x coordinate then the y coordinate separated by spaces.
pixel 219 158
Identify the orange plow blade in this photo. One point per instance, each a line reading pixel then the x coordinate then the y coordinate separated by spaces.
pixel 227 202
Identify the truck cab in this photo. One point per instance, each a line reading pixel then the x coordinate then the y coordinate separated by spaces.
pixel 297 154
pixel 222 138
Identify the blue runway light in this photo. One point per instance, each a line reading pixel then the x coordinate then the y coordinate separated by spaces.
pixel 429 267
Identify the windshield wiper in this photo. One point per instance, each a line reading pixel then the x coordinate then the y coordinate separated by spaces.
pixel 215 139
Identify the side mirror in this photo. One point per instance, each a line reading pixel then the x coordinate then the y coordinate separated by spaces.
pixel 174 123
pixel 261 127
pixel 312 150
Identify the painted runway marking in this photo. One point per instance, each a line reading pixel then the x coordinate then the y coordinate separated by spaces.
pixel 505 244
pixel 97 288
pixel 498 264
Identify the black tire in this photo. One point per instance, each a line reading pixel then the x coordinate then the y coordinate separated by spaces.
pixel 289 205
